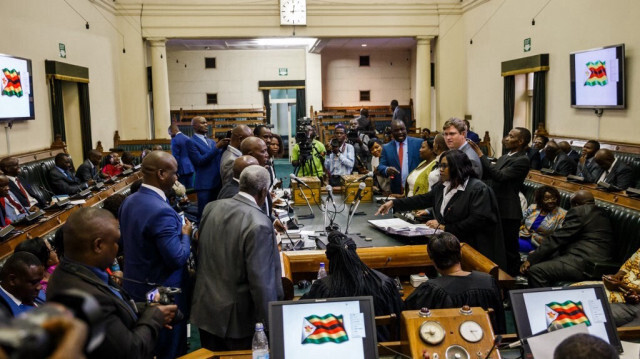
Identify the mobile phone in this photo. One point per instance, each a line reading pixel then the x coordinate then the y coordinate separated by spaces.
pixel 152 295
pixel 181 215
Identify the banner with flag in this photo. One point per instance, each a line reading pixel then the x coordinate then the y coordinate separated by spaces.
pixel 11 83
pixel 597 73
pixel 566 314
pixel 322 329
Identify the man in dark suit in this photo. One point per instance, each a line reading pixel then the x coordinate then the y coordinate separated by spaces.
pixel 179 151
pixel 566 148
pixel 205 154
pixel 238 266
pixel 61 178
pixel 507 176
pixel 536 153
pixel 19 187
pixel 90 245
pixel 400 114
pixel 586 233
pixel 89 170
pixel 156 243
pixel 20 278
pixel 613 171
pixel 455 135
pixel 587 168
pixel 557 160
pixel 238 134
pixel 400 156
pixel 232 187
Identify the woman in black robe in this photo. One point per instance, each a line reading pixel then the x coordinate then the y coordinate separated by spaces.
pixel 455 287
pixel 350 277
pixel 462 205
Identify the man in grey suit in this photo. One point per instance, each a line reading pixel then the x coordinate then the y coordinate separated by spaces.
pixel 613 171
pixel 231 188
pixel 239 266
pixel 89 170
pixel 587 167
pixel 238 134
pixel 455 135
pixel 558 161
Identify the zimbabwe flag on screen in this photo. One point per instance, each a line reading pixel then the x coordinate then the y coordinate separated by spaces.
pixel 11 83
pixel 319 330
pixel 566 313
pixel 597 73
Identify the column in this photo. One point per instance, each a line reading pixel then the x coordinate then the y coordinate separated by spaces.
pixel 160 88
pixel 422 103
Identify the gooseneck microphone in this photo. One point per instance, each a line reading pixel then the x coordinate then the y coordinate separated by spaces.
pixel 298 180
pixel 358 195
pixel 364 177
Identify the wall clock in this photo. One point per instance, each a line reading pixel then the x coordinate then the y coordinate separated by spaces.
pixel 293 12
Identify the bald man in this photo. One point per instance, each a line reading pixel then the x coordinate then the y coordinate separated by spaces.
pixel 557 160
pixel 238 134
pixel 231 188
pixel 256 147
pixel 90 245
pixel 614 171
pixel 89 170
pixel 156 243
pixel 586 233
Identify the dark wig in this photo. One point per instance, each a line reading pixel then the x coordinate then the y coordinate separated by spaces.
pixel 444 250
pixel 460 167
pixel 538 195
pixel 35 246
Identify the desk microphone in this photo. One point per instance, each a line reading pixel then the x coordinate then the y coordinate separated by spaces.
pixel 496 343
pixel 358 196
pixel 330 194
pixel 301 182
pixel 370 174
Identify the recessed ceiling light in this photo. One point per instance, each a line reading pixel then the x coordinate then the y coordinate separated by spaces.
pixel 364 45
pixel 207 48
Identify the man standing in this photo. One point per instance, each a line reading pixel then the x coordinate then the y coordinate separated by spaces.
pixel 20 188
pixel 156 243
pixel 557 160
pixel 61 179
pixel 586 233
pixel 400 156
pixel 360 142
pixel 587 168
pixel 507 177
pixel 236 234
pixel 612 170
pixel 232 187
pixel 341 159
pixel 310 163
pixel 205 154
pixel 20 278
pixel 455 135
pixel 263 132
pixel 89 170
pixel 238 134
pixel 90 246
pixel 400 114
pixel 179 151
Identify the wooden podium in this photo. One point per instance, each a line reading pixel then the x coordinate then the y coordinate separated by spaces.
pixel 349 188
pixel 313 194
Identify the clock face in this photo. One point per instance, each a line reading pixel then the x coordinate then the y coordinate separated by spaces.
pixel 471 331
pixel 293 12
pixel 432 332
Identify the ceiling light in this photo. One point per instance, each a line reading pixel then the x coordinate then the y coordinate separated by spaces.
pixel 364 45
pixel 286 41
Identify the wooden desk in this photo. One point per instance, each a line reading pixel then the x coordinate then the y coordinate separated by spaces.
pixel 52 220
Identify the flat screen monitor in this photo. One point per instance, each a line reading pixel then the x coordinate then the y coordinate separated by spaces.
pixel 323 328
pixel 541 310
pixel 16 84
pixel 597 78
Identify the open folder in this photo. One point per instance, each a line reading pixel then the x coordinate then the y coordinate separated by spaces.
pixel 397 226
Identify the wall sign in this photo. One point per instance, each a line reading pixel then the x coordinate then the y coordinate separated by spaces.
pixel 527 44
pixel 63 51
pixel 283 71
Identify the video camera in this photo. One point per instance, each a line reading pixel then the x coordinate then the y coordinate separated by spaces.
pixel 303 138
pixel 352 136
pixel 166 296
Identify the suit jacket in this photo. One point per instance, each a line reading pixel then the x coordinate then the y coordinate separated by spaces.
pixel 562 164
pixel 575 156
pixel 590 171
pixel 238 268
pixel 206 162
pixel 86 171
pixel 127 334
pixel 389 158
pixel 620 175
pixel 507 177
pixel 27 187
pixel 226 164
pixel 180 152
pixel 535 162
pixel 229 189
pixel 473 157
pixel 402 115
pixel 155 250
pixel 471 215
pixel 585 233
pixel 61 184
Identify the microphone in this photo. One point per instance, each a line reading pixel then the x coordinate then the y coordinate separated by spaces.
pixel 358 195
pixel 496 343
pixel 370 174
pixel 300 182
pixel 330 193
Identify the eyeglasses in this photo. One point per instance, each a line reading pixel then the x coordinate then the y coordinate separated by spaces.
pixel 443 165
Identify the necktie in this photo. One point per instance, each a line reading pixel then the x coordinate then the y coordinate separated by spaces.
pixel 21 188
pixel 401 155
pixel 7 221
pixel 16 205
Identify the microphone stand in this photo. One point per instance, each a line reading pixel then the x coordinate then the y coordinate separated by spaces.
pixel 310 215
pixel 352 211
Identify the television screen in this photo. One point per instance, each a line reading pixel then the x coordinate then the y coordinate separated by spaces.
pixel 16 96
pixel 597 78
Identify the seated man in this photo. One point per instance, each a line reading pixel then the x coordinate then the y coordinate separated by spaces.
pixel 61 178
pixel 587 167
pixel 455 287
pixel 18 186
pixel 232 188
pixel 586 233
pixel 584 346
pixel 566 148
pixel 613 171
pixel 113 167
pixel 12 210
pixel 557 160
pixel 89 170
pixel 91 238
pixel 536 153
pixel 350 277
pixel 20 278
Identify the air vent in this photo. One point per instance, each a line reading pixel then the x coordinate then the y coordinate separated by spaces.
pixel 365 95
pixel 209 62
pixel 212 99
pixel 364 60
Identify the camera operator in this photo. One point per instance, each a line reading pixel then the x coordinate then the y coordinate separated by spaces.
pixel 360 142
pixel 91 238
pixel 308 153
pixel 342 157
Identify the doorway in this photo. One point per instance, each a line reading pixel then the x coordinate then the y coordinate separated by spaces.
pixel 71 107
pixel 283 116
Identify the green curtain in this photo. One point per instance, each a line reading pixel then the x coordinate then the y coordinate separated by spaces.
pixel 509 104
pixel 301 110
pixel 539 99
pixel 267 104
pixel 85 117
pixel 57 108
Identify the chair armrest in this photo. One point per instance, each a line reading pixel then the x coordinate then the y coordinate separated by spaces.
pixel 596 270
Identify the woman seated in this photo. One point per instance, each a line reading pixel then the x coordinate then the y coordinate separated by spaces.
pixel 418 179
pixel 541 219
pixel 455 287
pixel 113 166
pixel 350 277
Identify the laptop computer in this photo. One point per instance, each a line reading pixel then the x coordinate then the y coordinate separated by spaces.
pixel 323 328
pixel 542 310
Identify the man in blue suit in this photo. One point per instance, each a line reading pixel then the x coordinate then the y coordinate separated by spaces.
pixel 156 244
pixel 205 154
pixel 20 283
pixel 179 151
pixel 402 146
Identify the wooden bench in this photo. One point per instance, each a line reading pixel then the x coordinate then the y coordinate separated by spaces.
pixel 220 121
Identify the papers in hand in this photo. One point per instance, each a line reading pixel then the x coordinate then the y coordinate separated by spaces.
pixel 403 228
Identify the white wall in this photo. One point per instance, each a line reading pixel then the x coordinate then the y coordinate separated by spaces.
pixel 33 30
pixel 313 82
pixel 235 78
pixel 388 77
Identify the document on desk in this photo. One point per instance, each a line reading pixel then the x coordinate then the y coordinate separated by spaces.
pixel 403 228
